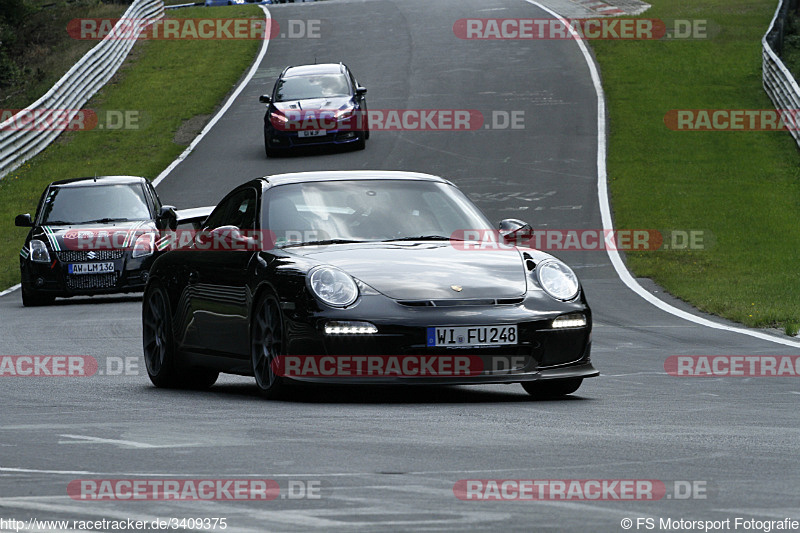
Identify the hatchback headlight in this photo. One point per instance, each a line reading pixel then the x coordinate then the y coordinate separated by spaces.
pixel 343 114
pixel 39 252
pixel 332 286
pixel 278 119
pixel 145 245
pixel 557 279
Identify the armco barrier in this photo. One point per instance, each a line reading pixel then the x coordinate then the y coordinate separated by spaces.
pixel 75 88
pixel 779 83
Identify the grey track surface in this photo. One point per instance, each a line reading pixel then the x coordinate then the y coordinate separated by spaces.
pixel 387 459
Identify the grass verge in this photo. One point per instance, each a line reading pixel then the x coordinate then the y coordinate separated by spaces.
pixel 741 187
pixel 791 44
pixel 164 83
pixel 39 50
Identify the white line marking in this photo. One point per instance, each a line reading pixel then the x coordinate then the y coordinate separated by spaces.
pixel 85 439
pixel 314 475
pixel 11 289
pixel 605 207
pixel 224 109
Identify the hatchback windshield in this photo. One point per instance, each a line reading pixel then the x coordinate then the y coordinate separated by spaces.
pixel 369 210
pixel 97 203
pixel 317 86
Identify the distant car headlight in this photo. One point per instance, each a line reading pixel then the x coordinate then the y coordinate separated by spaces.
pixel 278 119
pixel 332 286
pixel 39 253
pixel 344 114
pixel 557 279
pixel 144 246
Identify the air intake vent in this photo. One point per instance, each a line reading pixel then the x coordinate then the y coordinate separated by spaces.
pixel 530 264
pixel 461 303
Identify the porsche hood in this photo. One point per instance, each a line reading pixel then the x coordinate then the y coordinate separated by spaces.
pixel 428 271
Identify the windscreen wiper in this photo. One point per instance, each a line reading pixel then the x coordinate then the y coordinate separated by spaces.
pixel 424 238
pixel 106 220
pixel 320 243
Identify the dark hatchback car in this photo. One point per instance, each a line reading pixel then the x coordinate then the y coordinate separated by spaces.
pixel 363 278
pixel 91 236
pixel 315 105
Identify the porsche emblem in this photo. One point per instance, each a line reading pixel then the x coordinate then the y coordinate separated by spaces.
pixel 457 288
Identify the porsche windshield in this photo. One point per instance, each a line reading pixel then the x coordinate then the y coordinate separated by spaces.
pixel 368 210
pixel 94 204
pixel 316 86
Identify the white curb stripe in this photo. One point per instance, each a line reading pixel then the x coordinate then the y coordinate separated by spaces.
pixel 605 208
pixel 224 109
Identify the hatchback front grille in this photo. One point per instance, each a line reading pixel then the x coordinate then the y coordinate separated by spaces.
pixel 92 281
pixel 73 256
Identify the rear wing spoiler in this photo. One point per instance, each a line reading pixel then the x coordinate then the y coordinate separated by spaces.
pixel 194 216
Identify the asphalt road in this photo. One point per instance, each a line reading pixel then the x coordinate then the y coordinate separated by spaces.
pixel 388 459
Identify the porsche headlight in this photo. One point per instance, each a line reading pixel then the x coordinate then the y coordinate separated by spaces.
pixel 39 252
pixel 557 279
pixel 332 286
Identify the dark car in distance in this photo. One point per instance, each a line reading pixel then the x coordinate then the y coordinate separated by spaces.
pixel 315 105
pixel 363 279
pixel 91 236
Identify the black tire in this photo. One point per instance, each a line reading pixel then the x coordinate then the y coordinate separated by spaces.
pixel 552 389
pixel 159 347
pixel 361 143
pixel 32 298
pixel 273 152
pixel 266 342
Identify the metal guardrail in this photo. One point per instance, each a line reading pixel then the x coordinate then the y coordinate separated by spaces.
pixel 73 90
pixel 778 82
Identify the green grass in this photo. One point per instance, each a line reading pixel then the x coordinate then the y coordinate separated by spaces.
pixel 741 186
pixel 41 50
pixel 791 44
pixel 168 82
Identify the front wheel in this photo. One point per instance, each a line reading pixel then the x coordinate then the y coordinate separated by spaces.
pixel 551 389
pixel 159 347
pixel 31 298
pixel 361 143
pixel 266 343
pixel 270 151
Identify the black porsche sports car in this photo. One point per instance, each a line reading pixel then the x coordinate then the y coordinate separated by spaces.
pixel 91 236
pixel 363 277
pixel 315 105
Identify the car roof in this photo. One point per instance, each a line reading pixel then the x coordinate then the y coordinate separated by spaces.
pixel 349 175
pixel 98 180
pixel 309 70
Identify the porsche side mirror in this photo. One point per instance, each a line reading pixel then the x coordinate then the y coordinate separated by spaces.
pixel 225 238
pixel 264 99
pixel 167 218
pixel 23 221
pixel 515 231
pixel 361 91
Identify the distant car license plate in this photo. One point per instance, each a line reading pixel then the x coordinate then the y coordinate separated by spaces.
pixel 472 336
pixel 90 268
pixel 311 133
